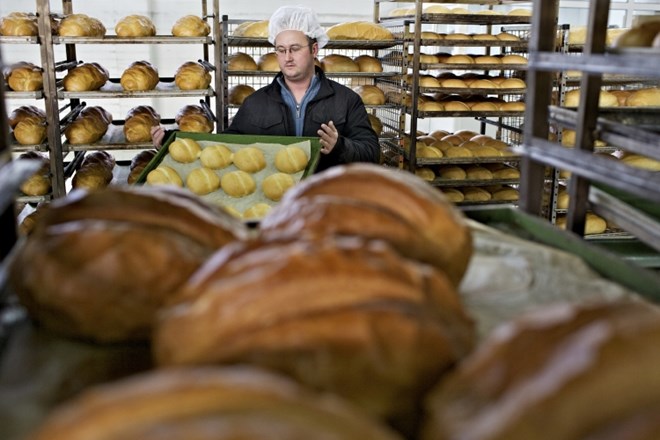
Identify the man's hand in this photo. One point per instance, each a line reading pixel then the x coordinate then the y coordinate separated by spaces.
pixel 157 135
pixel 329 136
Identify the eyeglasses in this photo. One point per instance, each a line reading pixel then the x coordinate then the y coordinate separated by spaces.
pixel 281 50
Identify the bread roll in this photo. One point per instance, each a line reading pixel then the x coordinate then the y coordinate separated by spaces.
pixel 339 63
pixel 24 77
pixel 81 25
pixel 477 172
pixel 164 175
pixel 139 76
pixel 644 98
pixel 138 164
pixel 207 404
pixel 291 160
pixel 85 77
pixel 268 62
pixel 605 99
pixel 369 64
pixel 135 26
pixel 359 30
pixel 257 211
pixel 476 194
pixel 505 36
pixel 38 184
pixel 192 118
pixel 275 185
pixel 90 126
pixel 192 76
pixel 184 150
pixel 190 26
pixel 513 83
pixel 250 159
pixel 138 124
pixel 484 107
pixel 202 181
pixel 131 246
pixel 252 29
pixel 512 106
pixel 371 95
pixel 19 24
pixel 594 224
pixel 239 92
pixel 425 173
pixel 29 125
pixel 487 59
pixel 216 157
pixel 514 59
pixel 95 171
pixel 453 195
pixel 506 194
pixel 240 61
pixel 238 183
pixel 452 172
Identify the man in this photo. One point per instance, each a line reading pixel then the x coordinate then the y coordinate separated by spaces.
pixel 302 101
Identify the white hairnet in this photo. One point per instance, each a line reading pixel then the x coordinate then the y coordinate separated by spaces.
pixel 296 18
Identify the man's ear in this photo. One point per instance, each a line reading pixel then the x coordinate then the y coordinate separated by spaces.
pixel 315 49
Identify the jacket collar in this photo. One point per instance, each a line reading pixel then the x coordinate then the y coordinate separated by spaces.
pixel 325 90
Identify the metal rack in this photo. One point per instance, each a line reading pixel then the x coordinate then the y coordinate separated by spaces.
pixel 627 196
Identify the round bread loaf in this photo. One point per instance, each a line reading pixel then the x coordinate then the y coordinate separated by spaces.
pixel 514 106
pixel 456 106
pixel 216 157
pixel 238 184
pixel 638 36
pixel 412 198
pixel 578 351
pixel 85 77
pixel 484 37
pixel 370 94
pixel 252 29
pixel 207 404
pixel 339 63
pixel 452 172
pixel 431 106
pixel 477 172
pixel 506 173
pixel 476 194
pixel 257 211
pixel 95 171
pixel 24 77
pixel 458 152
pixel 487 59
pixel 268 62
pixel 184 150
pixel 505 36
pixel 425 173
pixel 250 159
pixel 139 76
pixel 359 30
pixel 101 242
pixel 29 125
pixel 506 194
pixel 460 59
pixel 192 76
pixel 81 25
pixel 90 126
pixel 19 24
pixel 594 224
pixel 430 35
pixel 605 99
pixel 138 123
pixel 240 61
pixel 164 175
pixel 368 63
pixel 401 12
pixel 26 113
pixel 514 59
pixel 453 195
pixel 484 107
pixel 39 183
pixel 190 26
pixel 202 181
pixel 649 97
pixel 436 9
pixel 275 185
pixel 429 152
pixel 291 160
pixel 641 162
pixel 239 92
pixel 135 26
pixel 453 83
pixel 513 83
pixel 483 84
pixel 138 164
pixel 428 81
pixel 192 118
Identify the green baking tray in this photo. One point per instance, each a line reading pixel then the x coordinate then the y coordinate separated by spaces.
pixel 235 139
pixel 610 265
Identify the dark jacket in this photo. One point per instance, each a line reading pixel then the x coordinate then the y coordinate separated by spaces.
pixel 265 113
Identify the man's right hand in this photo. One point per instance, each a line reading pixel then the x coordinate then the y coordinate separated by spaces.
pixel 157 135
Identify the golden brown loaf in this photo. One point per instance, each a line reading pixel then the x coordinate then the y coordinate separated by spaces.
pixel 192 76
pixel 29 125
pixel 85 77
pixel 216 156
pixel 202 181
pixel 252 29
pixel 103 242
pixel 24 77
pixel 339 63
pixel 95 171
pixel 563 372
pixel 39 183
pixel 448 238
pixel 370 94
pixel 376 124
pixel 241 61
pixel 367 63
pixel 139 76
pixel 164 175
pixel 138 124
pixel 606 99
pixel 593 224
pixel 135 26
pixel 193 118
pixel 359 30
pixel 268 62
pixel 238 183
pixel 207 404
pixel 644 98
pixel 275 185
pixel 19 24
pixel 190 26
pixel 239 92
pixel 328 313
pixel 138 164
pixel 90 126
pixel 250 159
pixel 184 150
pixel 291 159
pixel 81 25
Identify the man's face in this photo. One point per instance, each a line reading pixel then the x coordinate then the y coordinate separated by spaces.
pixel 295 56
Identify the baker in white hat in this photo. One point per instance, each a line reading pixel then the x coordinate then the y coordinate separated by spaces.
pixel 302 101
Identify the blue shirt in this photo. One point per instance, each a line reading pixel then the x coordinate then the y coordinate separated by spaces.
pixel 298 110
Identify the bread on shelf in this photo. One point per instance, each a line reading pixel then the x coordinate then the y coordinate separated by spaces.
pixel 194 119
pixel 85 77
pixel 239 92
pixel 138 164
pixel 240 61
pixel 368 63
pixel 190 26
pixel 135 26
pixel 192 76
pixel 89 127
pixel 81 25
pixel 139 76
pixel 138 123
pixel 19 24
pixel 359 30
pixel 338 63
pixel 28 123
pixel 252 29
pixel 370 94
pixel 268 62
pixel 95 171
pixel 39 183
pixel 24 77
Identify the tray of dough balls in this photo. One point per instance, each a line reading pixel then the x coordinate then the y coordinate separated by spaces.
pixel 245 174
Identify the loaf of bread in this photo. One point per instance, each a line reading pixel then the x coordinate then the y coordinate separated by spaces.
pixel 29 125
pixel 85 77
pixel 339 63
pixel 190 26
pixel 639 161
pixel 132 246
pixel 164 176
pixel 19 24
pixel 81 25
pixel 90 126
pixel 138 164
pixel 291 159
pixel 240 61
pixel 135 26
pixel 275 185
pixel 563 372
pixel 606 99
pixel 192 76
pixel 238 183
pixel 207 404
pixel 138 123
pixel 476 194
pixel 95 172
pixel 376 124
pixel 641 35
pixel 648 97
pixel 593 224
pixel 184 150
pixel 192 118
pixel 216 156
pixel 39 183
pixel 239 92
pixel 368 63
pixel 370 94
pixel 250 159
pixel 359 30
pixel 202 181
pixel 252 29
pixel 139 76
pixel 24 77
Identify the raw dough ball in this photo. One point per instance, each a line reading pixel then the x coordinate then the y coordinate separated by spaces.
pixel 216 156
pixel 238 184
pixel 250 159
pixel 275 185
pixel 291 160
pixel 202 181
